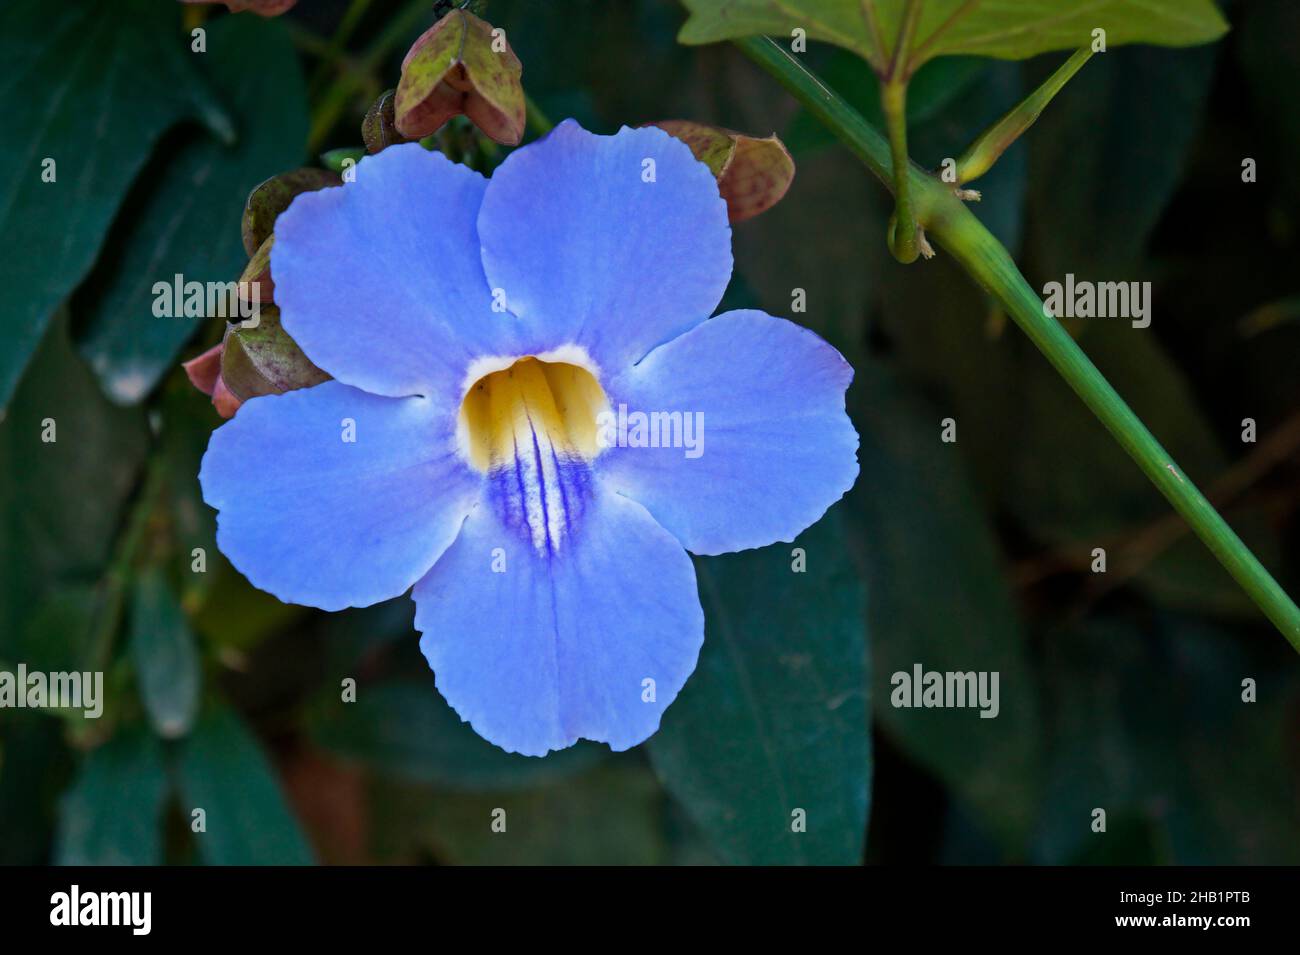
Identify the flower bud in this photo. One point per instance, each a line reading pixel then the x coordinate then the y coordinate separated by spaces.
pixel 753 174
pixel 270 198
pixel 263 8
pixel 379 128
pixel 459 66
pixel 204 373
pixel 258 272
pixel 264 360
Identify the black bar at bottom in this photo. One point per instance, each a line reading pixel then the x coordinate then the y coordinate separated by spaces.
pixel 334 905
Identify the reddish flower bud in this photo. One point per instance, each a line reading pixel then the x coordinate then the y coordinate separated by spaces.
pixel 263 8
pixel 204 370
pixel 460 66
pixel 204 373
pixel 753 174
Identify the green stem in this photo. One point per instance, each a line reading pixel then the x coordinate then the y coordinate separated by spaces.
pixel 984 152
pixel 902 226
pixel 946 217
pixel 893 102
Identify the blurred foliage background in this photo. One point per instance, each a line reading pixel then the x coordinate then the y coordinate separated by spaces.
pixel 1119 690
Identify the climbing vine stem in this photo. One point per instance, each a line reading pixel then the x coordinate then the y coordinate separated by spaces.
pixel 956 229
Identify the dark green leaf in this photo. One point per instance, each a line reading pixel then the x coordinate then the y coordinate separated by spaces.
pixel 61 500
pixel 236 614
pixel 91 86
pixel 790 259
pixel 938 599
pixel 112 815
pixel 1269 45
pixel 188 221
pixel 57 636
pixel 613 815
pixel 406 730
pixel 1106 157
pixel 223 771
pixel 34 768
pixel 768 746
pixel 165 657
pixel 1149 724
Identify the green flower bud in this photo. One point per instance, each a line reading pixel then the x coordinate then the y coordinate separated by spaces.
pixel 264 360
pixel 270 198
pixel 379 128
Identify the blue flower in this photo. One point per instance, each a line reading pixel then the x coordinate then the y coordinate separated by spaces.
pixel 532 420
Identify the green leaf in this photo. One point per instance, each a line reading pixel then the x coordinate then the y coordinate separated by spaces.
pixel 62 501
pixel 91 86
pixel 165 657
pixel 939 599
pixel 221 769
pixel 341 159
pixel 773 727
pixel 1148 722
pixel 57 635
pixel 1107 156
pixel 1006 29
pixel 236 614
pixel 835 267
pixel 34 769
pixel 1269 48
pixel 405 730
pixel 187 420
pixel 837 21
pixel 112 815
pixel 188 218
pixel 612 815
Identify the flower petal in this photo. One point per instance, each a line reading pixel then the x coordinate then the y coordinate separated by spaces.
pixel 588 252
pixel 777 448
pixel 538 649
pixel 380 281
pixel 320 520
